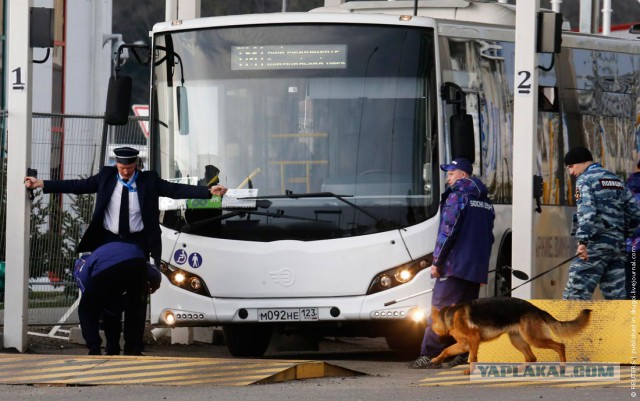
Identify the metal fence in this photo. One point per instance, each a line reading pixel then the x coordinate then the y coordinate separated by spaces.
pixel 63 147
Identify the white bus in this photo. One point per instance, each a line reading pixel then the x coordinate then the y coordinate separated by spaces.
pixel 333 125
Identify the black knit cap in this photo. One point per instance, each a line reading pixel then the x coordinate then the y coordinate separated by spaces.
pixel 576 155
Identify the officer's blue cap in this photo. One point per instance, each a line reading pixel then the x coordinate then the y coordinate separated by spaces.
pixel 126 155
pixel 458 164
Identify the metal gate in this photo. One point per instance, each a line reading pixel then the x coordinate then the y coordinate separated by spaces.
pixel 63 147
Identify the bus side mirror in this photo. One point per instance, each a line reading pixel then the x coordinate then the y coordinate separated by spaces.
pixel 183 110
pixel 462 137
pixel 461 124
pixel 118 101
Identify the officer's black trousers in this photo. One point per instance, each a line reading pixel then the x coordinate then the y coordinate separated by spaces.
pixel 119 288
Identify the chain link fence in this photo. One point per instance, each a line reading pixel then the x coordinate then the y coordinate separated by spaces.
pixel 63 147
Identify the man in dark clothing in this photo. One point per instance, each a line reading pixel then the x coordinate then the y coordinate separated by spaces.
pixel 126 210
pixel 606 215
pixel 462 251
pixel 112 279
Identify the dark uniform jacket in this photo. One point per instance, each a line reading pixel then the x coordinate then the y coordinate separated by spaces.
pixel 465 234
pixel 149 188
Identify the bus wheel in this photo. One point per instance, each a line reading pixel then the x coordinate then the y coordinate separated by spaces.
pixel 247 340
pixel 406 341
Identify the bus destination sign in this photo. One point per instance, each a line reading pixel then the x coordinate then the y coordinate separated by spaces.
pixel 288 57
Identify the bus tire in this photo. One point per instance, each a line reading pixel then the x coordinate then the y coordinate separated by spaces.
pixel 406 341
pixel 247 340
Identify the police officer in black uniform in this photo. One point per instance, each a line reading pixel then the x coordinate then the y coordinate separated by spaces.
pixel 127 209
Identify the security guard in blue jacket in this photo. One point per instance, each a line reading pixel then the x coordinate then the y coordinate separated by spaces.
pixel 607 214
pixel 462 252
pixel 112 278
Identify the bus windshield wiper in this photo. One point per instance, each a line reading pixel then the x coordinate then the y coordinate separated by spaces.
pixel 190 227
pixel 290 195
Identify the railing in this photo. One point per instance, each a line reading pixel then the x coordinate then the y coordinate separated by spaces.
pixel 63 147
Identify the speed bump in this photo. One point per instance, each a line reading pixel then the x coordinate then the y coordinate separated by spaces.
pixel 117 370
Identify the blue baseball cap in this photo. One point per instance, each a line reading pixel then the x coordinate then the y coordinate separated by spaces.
pixel 458 164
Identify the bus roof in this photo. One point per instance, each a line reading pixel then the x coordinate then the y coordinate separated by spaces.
pixel 455 10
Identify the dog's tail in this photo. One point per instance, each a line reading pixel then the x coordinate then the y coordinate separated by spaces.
pixel 570 327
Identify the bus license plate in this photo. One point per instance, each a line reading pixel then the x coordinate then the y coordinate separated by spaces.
pixel 288 315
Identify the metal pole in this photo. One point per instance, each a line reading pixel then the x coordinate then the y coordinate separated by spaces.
pixel 188 9
pixel 182 9
pixel 170 10
pixel 589 16
pixel 606 17
pixel 525 123
pixel 19 79
pixel 103 144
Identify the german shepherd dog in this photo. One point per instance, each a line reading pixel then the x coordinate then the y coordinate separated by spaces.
pixel 471 323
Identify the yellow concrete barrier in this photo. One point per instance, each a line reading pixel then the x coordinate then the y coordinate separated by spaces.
pixel 612 334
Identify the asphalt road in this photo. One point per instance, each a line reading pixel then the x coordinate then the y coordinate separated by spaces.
pixel 385 378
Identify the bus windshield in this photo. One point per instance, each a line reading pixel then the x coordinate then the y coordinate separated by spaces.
pixel 330 129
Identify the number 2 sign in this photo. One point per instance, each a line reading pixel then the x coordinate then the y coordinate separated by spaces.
pixel 524 82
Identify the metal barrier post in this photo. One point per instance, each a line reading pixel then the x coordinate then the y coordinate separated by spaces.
pixel 19 80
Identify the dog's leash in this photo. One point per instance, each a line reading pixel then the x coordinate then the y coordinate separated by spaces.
pixel 526 282
pixel 547 271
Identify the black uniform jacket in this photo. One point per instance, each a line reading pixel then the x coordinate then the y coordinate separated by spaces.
pixel 149 188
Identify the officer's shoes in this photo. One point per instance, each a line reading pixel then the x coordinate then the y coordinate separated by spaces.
pixel 423 362
pixel 460 359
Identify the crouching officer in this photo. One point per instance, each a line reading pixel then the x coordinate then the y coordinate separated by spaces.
pixel 113 279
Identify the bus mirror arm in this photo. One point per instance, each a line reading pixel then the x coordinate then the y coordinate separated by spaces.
pixel 136 48
pixel 453 94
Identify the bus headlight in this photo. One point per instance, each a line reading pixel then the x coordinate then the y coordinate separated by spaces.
pixel 184 279
pixel 169 318
pixel 195 283
pixel 404 275
pixel 398 275
pixel 178 278
pixel 386 281
pixel 418 315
